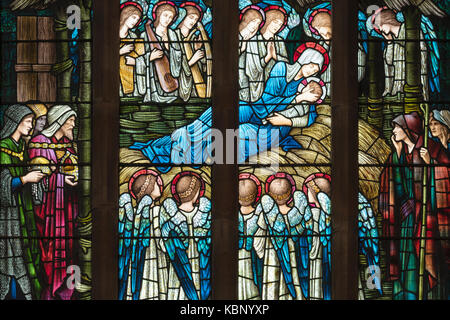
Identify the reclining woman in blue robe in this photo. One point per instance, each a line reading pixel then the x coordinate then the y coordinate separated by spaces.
pixel 266 126
pixel 192 144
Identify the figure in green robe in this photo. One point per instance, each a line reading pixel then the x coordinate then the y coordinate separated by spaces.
pixel 20 263
pixel 400 203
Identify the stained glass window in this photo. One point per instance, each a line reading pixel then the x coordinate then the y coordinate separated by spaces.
pixel 285 150
pixel 403 150
pixel 169 147
pixel 45 156
pixel 165 155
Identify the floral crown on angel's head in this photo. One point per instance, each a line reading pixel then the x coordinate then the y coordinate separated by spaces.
pixel 281 175
pixel 147 173
pixel 249 176
pixel 195 177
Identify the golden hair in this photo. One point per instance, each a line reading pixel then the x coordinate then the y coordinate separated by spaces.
pixel 386 17
pixel 187 187
pixel 280 190
pixel 247 192
pixel 322 19
pixel 164 7
pixel 249 15
pixel 127 12
pixel 192 10
pixel 272 15
pixel 143 185
pixel 320 185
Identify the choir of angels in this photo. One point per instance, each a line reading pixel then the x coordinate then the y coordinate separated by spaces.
pixel 165 249
pixel 285 231
pixel 285 237
pixel 165 62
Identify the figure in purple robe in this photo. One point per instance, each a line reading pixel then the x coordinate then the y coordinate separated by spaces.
pixel 56 207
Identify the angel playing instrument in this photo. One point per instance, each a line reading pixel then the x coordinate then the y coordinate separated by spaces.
pixel 166 80
pixel 202 87
pixel 127 71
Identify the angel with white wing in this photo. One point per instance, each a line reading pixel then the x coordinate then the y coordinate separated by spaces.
pixel 251 239
pixel 185 222
pixel 284 214
pixel 141 265
pixel 320 228
pixel 391 25
pixel 318 188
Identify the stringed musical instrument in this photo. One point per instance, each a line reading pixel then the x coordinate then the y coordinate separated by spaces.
pixel 208 54
pixel 127 71
pixel 202 87
pixel 166 80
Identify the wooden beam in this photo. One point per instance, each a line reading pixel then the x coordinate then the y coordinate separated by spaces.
pixel 225 177
pixel 344 192
pixel 105 149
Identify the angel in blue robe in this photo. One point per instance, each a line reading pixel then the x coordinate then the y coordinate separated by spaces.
pixel 315 188
pixel 286 256
pixel 369 242
pixel 192 144
pixel 135 231
pixel 131 248
pixel 126 218
pixel 186 234
pixel 318 189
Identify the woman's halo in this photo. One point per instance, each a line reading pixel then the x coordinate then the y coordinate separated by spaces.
pixel 165 2
pixel 315 46
pixel 254 7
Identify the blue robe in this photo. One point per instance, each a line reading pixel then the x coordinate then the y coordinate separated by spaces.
pixel 191 144
pixel 278 94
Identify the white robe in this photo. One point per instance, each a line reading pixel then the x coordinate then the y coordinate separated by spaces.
pixel 186 86
pixel 395 65
pixel 147 78
pixel 298 114
pixel 282 55
pixel 315 258
pixel 274 286
pixel 244 86
pixel 256 70
pixel 154 283
pixel 247 290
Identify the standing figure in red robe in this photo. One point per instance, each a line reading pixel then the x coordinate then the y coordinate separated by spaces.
pixel 56 207
pixel 400 203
